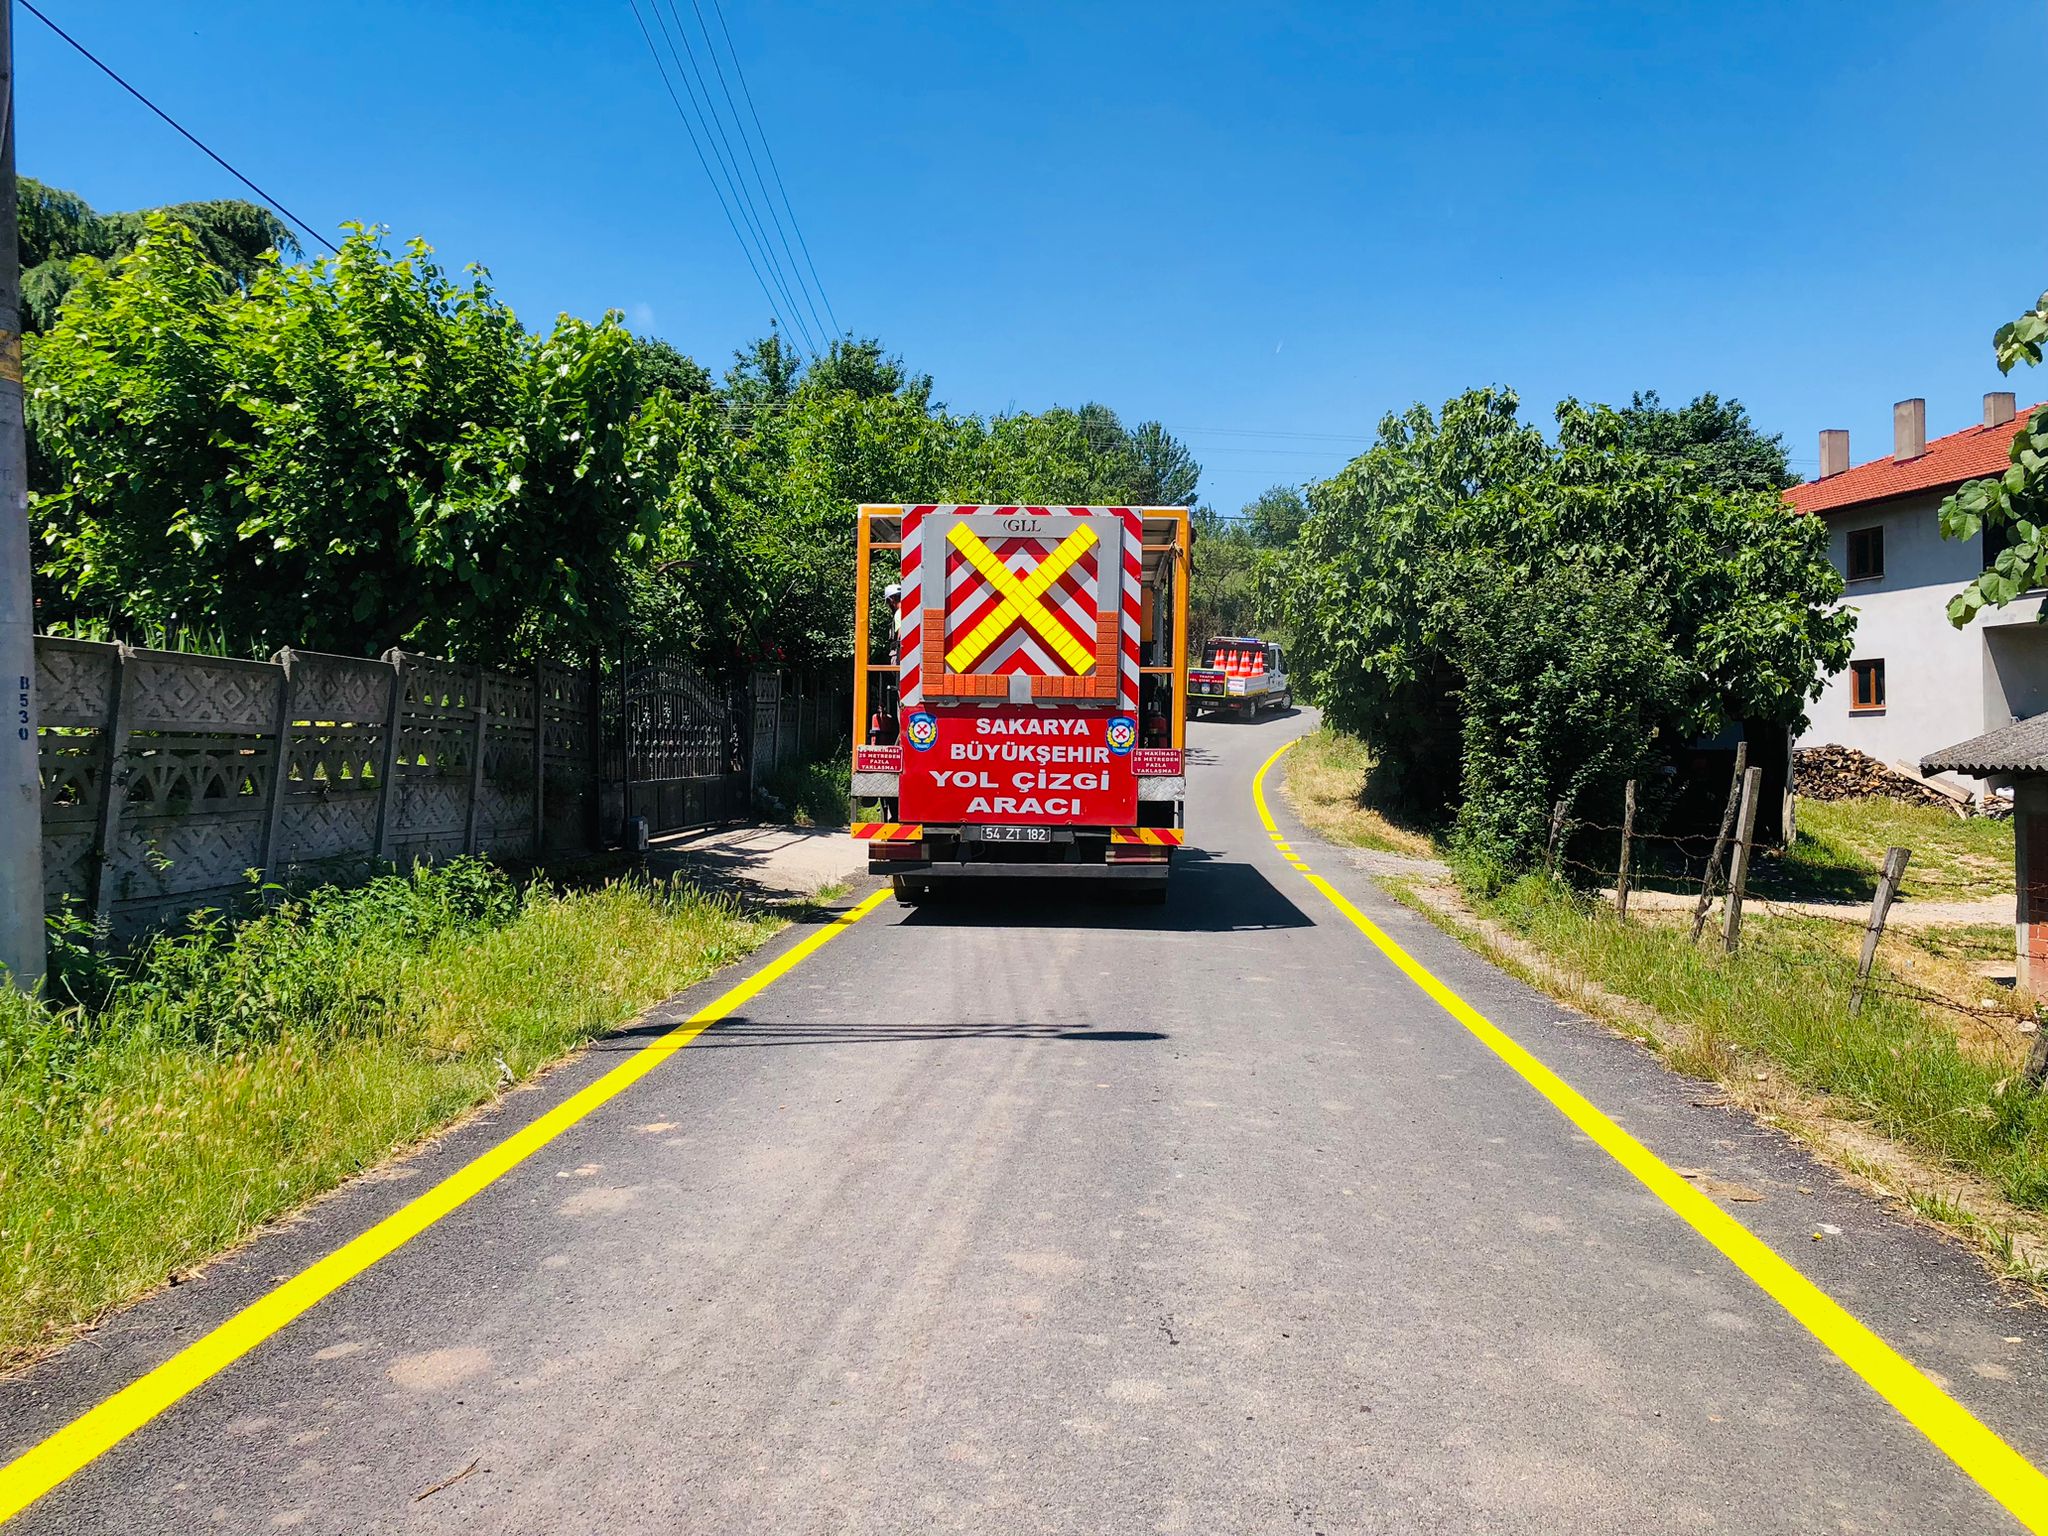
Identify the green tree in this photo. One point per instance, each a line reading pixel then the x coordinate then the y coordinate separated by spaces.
pixel 1274 517
pixel 58 226
pixel 352 454
pixel 1714 434
pixel 1167 471
pixel 1628 604
pixel 1223 595
pixel 663 367
pixel 1080 457
pixel 2011 509
pixel 1366 595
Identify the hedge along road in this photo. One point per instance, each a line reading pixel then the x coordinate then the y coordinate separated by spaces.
pixel 1027 1214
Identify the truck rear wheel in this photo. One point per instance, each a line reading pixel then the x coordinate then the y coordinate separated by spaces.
pixel 908 893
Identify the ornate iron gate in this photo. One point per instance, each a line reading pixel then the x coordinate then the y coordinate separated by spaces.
pixel 674 749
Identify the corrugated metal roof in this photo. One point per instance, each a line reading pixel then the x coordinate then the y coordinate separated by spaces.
pixel 2021 747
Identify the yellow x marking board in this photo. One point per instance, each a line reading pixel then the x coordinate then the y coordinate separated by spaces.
pixel 1022 598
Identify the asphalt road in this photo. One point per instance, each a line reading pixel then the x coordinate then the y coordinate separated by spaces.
pixel 1033 1215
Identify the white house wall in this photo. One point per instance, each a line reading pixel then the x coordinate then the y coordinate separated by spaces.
pixel 1942 685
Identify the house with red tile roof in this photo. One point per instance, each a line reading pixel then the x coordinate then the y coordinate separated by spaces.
pixel 1916 683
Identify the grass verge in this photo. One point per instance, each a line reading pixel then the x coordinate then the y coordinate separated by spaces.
pixel 1895 1096
pixel 233 1072
pixel 1327 783
pixel 1921 1101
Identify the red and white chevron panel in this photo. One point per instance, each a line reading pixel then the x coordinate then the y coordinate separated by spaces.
pixel 968 598
pixel 1021 648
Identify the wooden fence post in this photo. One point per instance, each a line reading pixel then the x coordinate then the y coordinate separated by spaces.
pixel 476 765
pixel 1738 871
pixel 1553 848
pixel 388 805
pixel 281 767
pixel 113 783
pixel 1706 905
pixel 1888 879
pixel 540 760
pixel 2035 1070
pixel 1628 828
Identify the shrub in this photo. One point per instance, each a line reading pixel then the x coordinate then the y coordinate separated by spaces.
pixel 1506 622
pixel 1571 686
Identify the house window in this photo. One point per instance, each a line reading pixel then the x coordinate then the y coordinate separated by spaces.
pixel 1866 553
pixel 1866 685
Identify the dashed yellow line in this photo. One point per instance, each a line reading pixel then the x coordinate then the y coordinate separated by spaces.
pixel 1995 1466
pixel 43 1466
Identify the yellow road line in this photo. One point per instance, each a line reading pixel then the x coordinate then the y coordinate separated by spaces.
pixel 1995 1466
pixel 43 1466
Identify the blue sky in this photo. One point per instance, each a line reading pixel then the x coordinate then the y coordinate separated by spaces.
pixel 1264 225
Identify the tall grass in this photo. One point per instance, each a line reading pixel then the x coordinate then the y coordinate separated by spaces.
pixel 236 1070
pixel 1784 999
pixel 814 793
pixel 1328 784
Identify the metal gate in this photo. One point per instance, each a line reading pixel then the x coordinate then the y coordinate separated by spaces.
pixel 675 753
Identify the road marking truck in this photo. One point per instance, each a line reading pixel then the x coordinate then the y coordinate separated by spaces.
pixel 1020 693
pixel 1239 674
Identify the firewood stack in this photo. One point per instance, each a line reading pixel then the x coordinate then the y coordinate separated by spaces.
pixel 1842 773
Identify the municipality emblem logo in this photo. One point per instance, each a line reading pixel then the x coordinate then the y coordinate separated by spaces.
pixel 922 730
pixel 1122 734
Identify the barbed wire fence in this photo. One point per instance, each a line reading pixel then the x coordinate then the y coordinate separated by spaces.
pixel 1715 868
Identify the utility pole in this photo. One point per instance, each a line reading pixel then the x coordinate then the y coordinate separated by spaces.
pixel 21 795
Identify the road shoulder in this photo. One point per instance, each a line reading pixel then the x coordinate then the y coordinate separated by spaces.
pixel 1984 1342
pixel 49 1394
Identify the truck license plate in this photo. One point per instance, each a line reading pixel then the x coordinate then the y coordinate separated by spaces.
pixel 1016 834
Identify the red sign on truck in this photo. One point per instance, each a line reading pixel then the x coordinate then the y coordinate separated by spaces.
pixel 972 764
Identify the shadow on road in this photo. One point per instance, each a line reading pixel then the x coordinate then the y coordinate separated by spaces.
pixel 1205 895
pixel 741 1031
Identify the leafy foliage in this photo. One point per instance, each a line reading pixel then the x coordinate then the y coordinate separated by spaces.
pixel 355 453
pixel 1235 561
pixel 1713 434
pixel 2011 509
pixel 755 544
pixel 1370 595
pixel 1509 622
pixel 58 226
pixel 1565 682
pixel 366 451
pixel 1274 517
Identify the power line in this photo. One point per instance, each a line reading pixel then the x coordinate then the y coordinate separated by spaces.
pixel 189 137
pixel 767 201
pixel 729 163
pixel 730 222
pixel 775 170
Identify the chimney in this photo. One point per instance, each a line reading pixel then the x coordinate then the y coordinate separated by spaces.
pixel 1999 408
pixel 1909 430
pixel 1834 452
